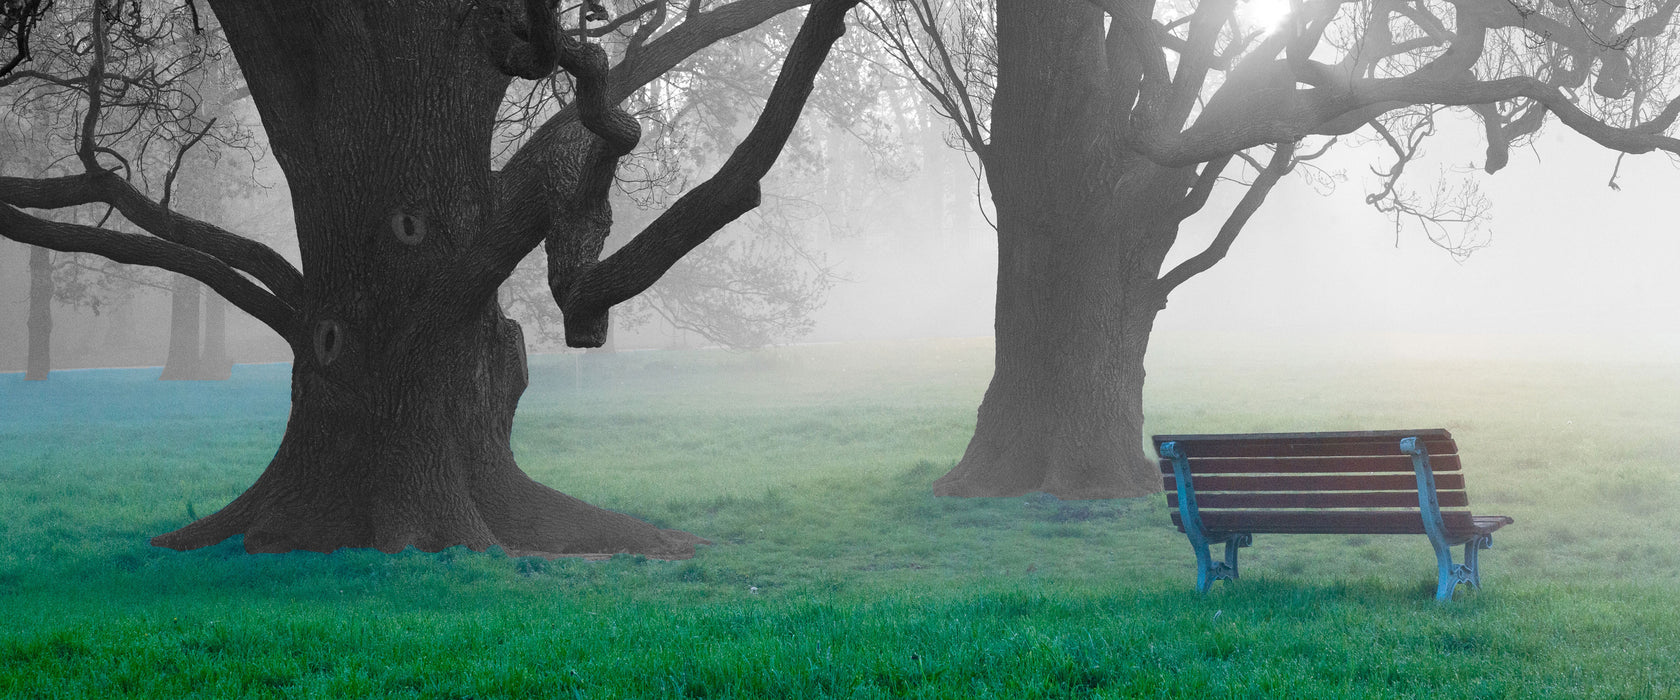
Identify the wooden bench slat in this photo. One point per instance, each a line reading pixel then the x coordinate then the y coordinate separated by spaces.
pixel 1321 499
pixel 1326 522
pixel 1304 448
pixel 1322 436
pixel 1328 482
pixel 1320 465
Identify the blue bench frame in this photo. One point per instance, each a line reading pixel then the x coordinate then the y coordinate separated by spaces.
pixel 1449 573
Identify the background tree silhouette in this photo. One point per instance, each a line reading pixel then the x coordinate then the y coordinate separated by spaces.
pixel 1103 125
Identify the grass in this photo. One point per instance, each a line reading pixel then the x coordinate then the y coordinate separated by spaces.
pixel 835 573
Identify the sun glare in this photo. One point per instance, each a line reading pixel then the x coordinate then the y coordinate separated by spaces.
pixel 1265 15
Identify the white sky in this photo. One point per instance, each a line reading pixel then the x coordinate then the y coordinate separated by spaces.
pixel 1568 253
pixel 1569 257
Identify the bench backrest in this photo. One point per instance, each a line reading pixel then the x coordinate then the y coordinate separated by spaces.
pixel 1347 482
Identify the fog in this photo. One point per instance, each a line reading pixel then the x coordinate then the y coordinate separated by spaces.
pixel 1573 268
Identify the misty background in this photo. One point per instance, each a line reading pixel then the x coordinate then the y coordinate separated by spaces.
pixel 1571 267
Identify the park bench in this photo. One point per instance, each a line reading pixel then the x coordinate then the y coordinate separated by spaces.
pixel 1226 488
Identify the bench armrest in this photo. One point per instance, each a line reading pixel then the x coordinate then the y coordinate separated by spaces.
pixel 1428 503
pixel 1187 511
pixel 1450 574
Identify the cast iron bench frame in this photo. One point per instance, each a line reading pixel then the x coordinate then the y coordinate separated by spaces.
pixel 1228 487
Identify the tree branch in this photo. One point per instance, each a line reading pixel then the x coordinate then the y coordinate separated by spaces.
pixel 135 249
pixel 1251 201
pixel 699 31
pixel 556 160
pixel 942 81
pixel 87 149
pixel 1143 41
pixel 239 252
pixel 621 20
pixel 732 191
pixel 1274 116
pixel 1199 193
pixel 1194 64
pixel 587 64
pixel 532 51
pixel 169 179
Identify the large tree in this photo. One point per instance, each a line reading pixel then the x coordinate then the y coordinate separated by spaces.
pixel 1103 125
pixel 406 374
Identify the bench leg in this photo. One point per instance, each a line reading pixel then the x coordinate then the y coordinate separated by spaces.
pixel 1451 574
pixel 1470 560
pixel 1208 570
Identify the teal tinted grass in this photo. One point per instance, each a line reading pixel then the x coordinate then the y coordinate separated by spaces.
pixel 835 573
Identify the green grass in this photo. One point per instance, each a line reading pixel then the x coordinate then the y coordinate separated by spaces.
pixel 835 573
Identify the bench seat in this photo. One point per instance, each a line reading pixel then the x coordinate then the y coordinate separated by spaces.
pixel 1226 488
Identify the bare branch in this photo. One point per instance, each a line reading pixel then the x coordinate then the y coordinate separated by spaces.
pixel 169 180
pixel 528 49
pixel 1142 39
pixel 700 30
pixel 614 24
pixel 135 249
pixel 936 73
pixel 1250 203
pixel 529 187
pixel 239 252
pixel 732 191
pixel 1194 64
pixel 1203 188
pixel 95 86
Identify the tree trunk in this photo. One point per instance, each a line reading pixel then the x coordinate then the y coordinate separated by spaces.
pixel 417 456
pixel 1064 411
pixel 1083 227
pixel 183 359
pixel 40 314
pixel 404 383
pixel 213 363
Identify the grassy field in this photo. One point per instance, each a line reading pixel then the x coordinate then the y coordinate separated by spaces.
pixel 835 573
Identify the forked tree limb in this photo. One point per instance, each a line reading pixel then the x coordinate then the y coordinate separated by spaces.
pixel 554 161
pixel 587 64
pixel 1253 197
pixel 87 146
pixel 531 54
pixel 700 30
pixel 729 193
pixel 136 249
pixel 1288 115
pixel 1198 195
pixel 239 252
pixel 946 85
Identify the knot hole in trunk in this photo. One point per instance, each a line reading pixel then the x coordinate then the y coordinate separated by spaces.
pixel 408 228
pixel 329 341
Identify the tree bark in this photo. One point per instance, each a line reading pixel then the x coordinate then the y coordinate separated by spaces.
pixel 1083 227
pixel 1076 301
pixel 213 362
pixel 418 456
pixel 183 359
pixel 40 314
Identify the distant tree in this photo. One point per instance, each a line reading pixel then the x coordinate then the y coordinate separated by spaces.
pixel 1102 125
pixel 406 372
pixel 169 85
pixel 55 279
pixel 40 314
